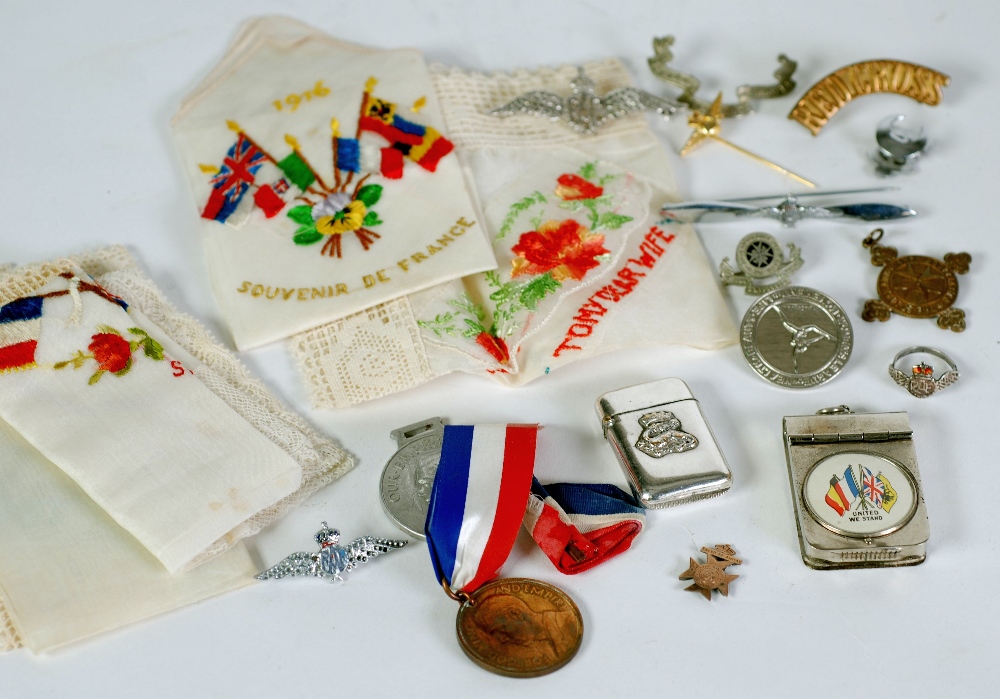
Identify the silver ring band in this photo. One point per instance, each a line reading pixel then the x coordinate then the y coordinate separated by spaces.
pixel 924 350
pixel 923 383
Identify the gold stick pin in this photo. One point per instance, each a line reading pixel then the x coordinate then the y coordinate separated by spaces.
pixel 708 126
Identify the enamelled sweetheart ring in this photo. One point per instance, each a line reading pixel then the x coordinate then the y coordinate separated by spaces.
pixel 921 383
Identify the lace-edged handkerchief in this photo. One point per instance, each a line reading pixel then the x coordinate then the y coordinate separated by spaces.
pixel 124 424
pixel 586 263
pixel 325 181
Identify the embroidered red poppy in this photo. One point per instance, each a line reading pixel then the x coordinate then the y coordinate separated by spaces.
pixel 495 346
pixel 111 351
pixel 565 248
pixel 573 187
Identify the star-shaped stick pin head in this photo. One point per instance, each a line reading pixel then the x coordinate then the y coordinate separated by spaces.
pixel 705 125
pixel 712 575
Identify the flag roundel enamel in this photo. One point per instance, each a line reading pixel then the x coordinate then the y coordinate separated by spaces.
pixel 478 500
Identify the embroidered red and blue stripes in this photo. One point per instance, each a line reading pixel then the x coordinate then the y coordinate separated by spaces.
pixel 478 501
pixel 20 326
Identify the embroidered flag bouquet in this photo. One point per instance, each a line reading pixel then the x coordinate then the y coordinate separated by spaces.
pixel 135 454
pixel 323 180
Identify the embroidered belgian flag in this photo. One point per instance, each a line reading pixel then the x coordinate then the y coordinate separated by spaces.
pixel 424 145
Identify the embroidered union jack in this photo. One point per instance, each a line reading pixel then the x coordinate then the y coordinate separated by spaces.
pixel 234 178
pixel 872 487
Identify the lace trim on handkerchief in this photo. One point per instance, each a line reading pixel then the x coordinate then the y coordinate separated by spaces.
pixel 364 356
pixel 9 639
pixel 321 459
pixel 466 96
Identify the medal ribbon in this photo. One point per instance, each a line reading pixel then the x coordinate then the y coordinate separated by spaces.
pixel 581 525
pixel 478 501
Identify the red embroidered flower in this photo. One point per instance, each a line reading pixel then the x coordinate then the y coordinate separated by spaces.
pixel 494 345
pixel 111 351
pixel 573 187
pixel 564 248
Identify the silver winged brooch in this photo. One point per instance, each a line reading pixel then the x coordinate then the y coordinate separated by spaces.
pixel 584 110
pixel 332 559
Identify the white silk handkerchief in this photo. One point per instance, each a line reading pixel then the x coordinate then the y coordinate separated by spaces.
pixel 586 265
pixel 324 180
pixel 125 423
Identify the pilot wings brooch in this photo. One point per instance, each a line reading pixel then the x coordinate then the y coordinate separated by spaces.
pixel 332 559
pixel 584 110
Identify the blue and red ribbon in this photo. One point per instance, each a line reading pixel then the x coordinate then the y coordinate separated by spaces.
pixel 485 489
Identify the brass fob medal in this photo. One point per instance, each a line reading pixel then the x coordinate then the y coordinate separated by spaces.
pixel 519 627
pixel 916 286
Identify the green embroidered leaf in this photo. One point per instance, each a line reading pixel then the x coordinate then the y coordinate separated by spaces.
pixel 606 178
pixel 301 214
pixel 96 377
pixel 473 329
pixel 109 329
pixel 537 289
pixel 372 219
pixel 441 325
pixel 60 365
pixel 369 194
pixel 612 221
pixel 518 208
pixel 307 236
pixel 125 369
pixel 152 349
pixel 588 171
pixel 138 331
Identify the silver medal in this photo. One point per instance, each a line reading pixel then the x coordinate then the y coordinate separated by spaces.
pixel 796 337
pixel 405 487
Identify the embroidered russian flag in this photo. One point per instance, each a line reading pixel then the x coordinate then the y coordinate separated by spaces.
pixel 581 525
pixel 478 500
pixel 20 326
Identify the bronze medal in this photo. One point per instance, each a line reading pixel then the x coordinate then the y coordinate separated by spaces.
pixel 916 286
pixel 519 627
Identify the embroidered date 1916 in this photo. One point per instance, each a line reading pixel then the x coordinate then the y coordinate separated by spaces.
pixel 293 100
pixel 624 282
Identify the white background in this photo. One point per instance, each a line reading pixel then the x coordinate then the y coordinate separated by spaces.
pixel 86 92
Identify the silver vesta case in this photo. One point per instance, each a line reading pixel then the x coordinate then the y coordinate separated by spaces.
pixel 856 489
pixel 663 443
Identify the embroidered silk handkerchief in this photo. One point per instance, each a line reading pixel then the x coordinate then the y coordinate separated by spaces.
pixel 586 263
pixel 324 180
pixel 123 422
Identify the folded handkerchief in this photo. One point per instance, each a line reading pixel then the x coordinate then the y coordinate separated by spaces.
pixel 325 181
pixel 586 263
pixel 152 439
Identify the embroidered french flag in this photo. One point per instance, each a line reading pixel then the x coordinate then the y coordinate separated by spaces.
pixel 478 500
pixel 20 326
pixel 581 525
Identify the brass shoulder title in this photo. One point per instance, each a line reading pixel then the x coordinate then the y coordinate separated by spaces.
pixel 825 98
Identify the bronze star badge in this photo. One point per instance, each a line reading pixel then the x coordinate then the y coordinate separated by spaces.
pixel 712 575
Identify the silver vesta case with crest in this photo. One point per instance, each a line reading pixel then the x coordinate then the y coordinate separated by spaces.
pixel 856 489
pixel 663 443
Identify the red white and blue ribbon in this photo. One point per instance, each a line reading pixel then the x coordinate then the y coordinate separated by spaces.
pixel 581 525
pixel 478 501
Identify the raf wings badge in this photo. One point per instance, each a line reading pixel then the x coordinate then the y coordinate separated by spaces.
pixel 332 559
pixel 585 111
